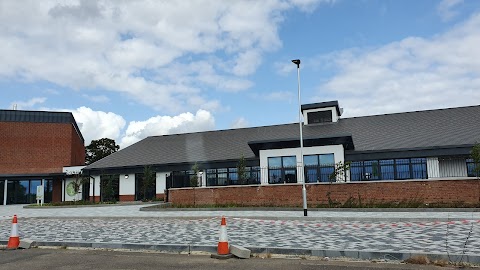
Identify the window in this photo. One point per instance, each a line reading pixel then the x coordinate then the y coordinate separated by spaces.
pixel 320 117
pixel 229 176
pixel 389 169
pixel 282 169
pixel 109 188
pixel 144 192
pixel 318 168
pixel 182 178
pixel 471 167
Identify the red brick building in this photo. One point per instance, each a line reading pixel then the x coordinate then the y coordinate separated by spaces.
pixel 34 147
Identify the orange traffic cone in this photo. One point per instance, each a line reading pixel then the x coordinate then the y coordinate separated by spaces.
pixel 14 240
pixel 222 248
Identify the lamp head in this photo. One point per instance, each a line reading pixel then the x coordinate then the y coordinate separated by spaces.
pixel 296 62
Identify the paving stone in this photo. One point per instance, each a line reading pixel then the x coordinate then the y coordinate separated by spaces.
pixel 118 225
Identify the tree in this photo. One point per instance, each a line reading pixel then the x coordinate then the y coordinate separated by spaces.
pixel 148 180
pixel 107 187
pixel 242 171
pixel 339 172
pixel 475 154
pixel 194 179
pixel 99 149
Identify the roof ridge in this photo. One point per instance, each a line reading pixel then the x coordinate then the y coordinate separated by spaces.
pixel 420 111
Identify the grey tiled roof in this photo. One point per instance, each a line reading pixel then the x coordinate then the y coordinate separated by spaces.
pixel 423 129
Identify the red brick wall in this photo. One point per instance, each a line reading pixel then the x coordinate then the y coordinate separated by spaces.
pixel 426 191
pixel 57 191
pixel 97 198
pixel 77 149
pixel 30 148
pixel 127 198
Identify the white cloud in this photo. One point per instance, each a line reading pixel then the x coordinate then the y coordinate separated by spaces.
pixel 446 9
pixel 51 91
pixel 98 99
pixel 95 125
pixel 239 123
pixel 126 46
pixel 284 68
pixel 412 74
pixel 164 125
pixel 276 96
pixel 29 104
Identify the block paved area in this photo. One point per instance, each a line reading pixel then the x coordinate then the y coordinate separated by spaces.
pixel 374 236
pixel 6 212
pixel 126 224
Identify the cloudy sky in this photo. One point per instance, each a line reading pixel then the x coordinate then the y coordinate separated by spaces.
pixel 132 69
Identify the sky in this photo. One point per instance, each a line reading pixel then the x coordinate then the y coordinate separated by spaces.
pixel 132 69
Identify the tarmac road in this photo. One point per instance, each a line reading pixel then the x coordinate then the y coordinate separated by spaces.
pixel 71 259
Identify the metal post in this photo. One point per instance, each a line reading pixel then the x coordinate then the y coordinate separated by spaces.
pixel 43 197
pixel 5 193
pixel 301 176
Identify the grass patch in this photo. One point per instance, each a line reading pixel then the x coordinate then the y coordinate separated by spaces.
pixel 70 203
pixel 418 260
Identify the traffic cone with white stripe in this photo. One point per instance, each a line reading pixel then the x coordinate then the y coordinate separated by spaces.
pixel 14 240
pixel 222 248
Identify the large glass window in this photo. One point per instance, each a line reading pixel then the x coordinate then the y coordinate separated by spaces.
pixel 25 191
pixel 182 178
pixel 33 190
pixel 229 176
pixel 144 191
pixel 2 187
pixel 471 168
pixel 388 169
pixel 282 169
pixel 109 188
pixel 318 168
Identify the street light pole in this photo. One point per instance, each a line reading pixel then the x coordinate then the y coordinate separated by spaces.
pixel 301 176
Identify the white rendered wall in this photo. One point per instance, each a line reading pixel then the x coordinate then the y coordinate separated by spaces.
pixel 203 178
pixel 433 168
pixel 335 115
pixel 336 150
pixel 127 185
pixel 95 182
pixel 453 168
pixel 161 182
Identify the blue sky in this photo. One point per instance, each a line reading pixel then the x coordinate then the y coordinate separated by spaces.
pixel 132 69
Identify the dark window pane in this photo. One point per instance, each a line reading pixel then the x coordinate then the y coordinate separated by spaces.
pixel 275 176
pixel 387 169
pixel 356 171
pixel 311 175
pixel 310 160
pixel 319 117
pixel 274 162
pixel 222 179
pixel 291 176
pixel 419 171
pixel 33 190
pixel 403 169
pixel 290 162
pixel 325 173
pixel 327 159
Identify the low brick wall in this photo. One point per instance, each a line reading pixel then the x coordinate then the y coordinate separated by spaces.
pixel 126 198
pixel 451 192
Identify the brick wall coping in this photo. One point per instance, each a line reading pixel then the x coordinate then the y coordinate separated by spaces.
pixel 336 183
